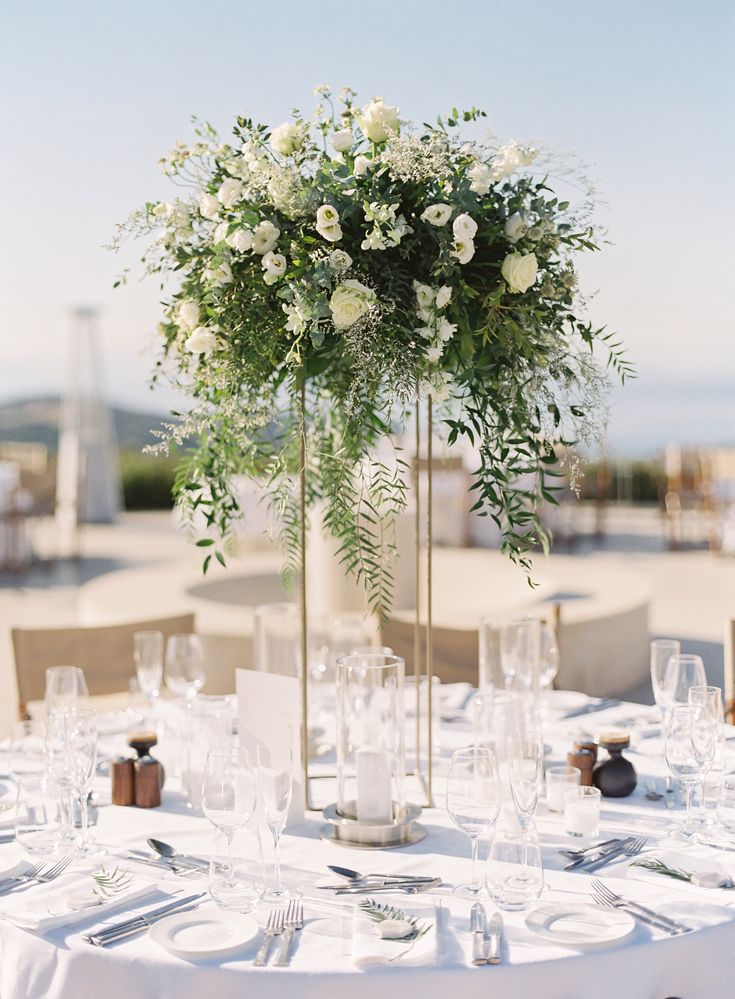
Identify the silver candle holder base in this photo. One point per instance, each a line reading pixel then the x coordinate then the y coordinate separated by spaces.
pixel 343 831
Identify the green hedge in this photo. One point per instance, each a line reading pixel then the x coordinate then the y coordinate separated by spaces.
pixel 641 481
pixel 147 480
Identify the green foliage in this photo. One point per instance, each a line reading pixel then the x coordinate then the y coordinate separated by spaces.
pixel 147 481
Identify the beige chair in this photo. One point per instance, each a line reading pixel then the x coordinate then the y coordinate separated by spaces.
pixel 730 671
pixel 105 654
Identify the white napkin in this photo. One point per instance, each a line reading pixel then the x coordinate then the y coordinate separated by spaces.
pixel 46 907
pixel 7 805
pixel 371 950
pixel 691 864
pixel 454 696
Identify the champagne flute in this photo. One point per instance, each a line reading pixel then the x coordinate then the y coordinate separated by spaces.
pixel 689 748
pixel 662 649
pixel 66 689
pixel 148 654
pixel 706 705
pixel 276 790
pixel 526 765
pixel 473 803
pixel 229 799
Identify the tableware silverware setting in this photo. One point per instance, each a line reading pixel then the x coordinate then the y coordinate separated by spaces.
pixel 407 887
pixel 495 936
pixel 136 924
pixel 293 921
pixel 587 709
pixel 605 896
pixel 350 875
pixel 274 928
pixel 478 919
pixel 628 849
pixel 173 867
pixel 180 859
pixel 37 874
pixel 652 792
pixel 597 853
pixel 574 854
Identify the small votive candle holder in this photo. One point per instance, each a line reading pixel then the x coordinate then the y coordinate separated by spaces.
pixel 582 811
pixel 560 780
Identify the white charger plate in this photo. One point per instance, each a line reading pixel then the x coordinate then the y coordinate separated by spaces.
pixel 203 934
pixel 579 925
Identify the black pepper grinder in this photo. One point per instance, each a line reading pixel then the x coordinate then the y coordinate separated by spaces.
pixel 615 776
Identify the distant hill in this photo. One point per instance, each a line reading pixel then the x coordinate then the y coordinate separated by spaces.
pixel 37 420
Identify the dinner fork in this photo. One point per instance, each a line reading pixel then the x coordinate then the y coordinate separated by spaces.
pixel 294 921
pixel 59 867
pixel 26 875
pixel 273 929
pixel 604 896
pixel 626 850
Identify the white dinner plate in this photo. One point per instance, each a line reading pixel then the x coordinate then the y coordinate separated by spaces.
pixel 203 934
pixel 566 700
pixel 579 925
pixel 117 722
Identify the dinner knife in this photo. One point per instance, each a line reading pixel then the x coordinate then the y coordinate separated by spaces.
pixel 598 854
pixel 137 923
pixel 495 934
pixel 478 918
pixel 410 888
pixel 587 709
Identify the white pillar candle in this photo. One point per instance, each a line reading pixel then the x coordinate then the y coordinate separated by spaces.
pixel 373 779
pixel 582 817
pixel 556 795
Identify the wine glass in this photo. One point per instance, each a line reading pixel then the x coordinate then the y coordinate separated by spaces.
pixel 662 649
pixel 526 765
pixel 66 688
pixel 185 673
pixel 682 672
pixel 148 654
pixel 229 799
pixel 276 790
pixel 473 803
pixel 689 748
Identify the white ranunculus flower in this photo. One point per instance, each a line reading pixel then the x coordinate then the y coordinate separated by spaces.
pixel 481 176
pixel 519 271
pixel 464 250
pixel 187 315
pixel 231 191
pixel 349 302
pixel 339 260
pixel 464 227
pixel 240 240
pixel 424 295
pixel 209 206
pixel 362 165
pixel 203 340
pixel 342 140
pixel 265 236
pixel 220 232
pixel 434 353
pixel 378 120
pixel 437 214
pixel 443 296
pixel 274 265
pixel 287 138
pixel 219 275
pixel 516 227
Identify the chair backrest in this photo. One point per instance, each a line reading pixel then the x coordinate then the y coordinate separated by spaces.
pixel 104 653
pixel 730 671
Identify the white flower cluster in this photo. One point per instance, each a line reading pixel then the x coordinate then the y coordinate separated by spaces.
pixel 436 329
pixel 507 160
pixel 388 228
pixel 327 223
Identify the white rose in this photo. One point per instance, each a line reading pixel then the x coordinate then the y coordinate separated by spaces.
pixel 443 296
pixel 287 138
pixel 362 165
pixel 378 120
pixel 188 315
pixel 519 271
pixel 209 206
pixel 339 260
pixel 274 265
pixel 240 240
pixel 349 302
pixel 220 232
pixel 515 227
pixel 463 250
pixel 424 294
pixel 265 237
pixel 481 177
pixel 342 140
pixel 202 341
pixel 219 275
pixel 230 192
pixel 433 354
pixel 464 227
pixel 437 214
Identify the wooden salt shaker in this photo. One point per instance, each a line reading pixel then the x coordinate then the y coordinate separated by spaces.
pixel 147 782
pixel 122 774
pixel 584 760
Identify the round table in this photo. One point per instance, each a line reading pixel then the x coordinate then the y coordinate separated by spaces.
pixel 646 965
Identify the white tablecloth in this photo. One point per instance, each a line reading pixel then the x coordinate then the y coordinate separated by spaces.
pixel 647 965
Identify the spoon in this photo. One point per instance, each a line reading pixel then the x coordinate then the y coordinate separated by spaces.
pixel 651 793
pixel 166 851
pixel 350 875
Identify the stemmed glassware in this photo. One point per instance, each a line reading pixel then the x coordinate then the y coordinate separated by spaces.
pixel 662 649
pixel 526 764
pixel 690 746
pixel 276 789
pixel 148 654
pixel 682 672
pixel 707 717
pixel 66 689
pixel 185 673
pixel 229 799
pixel 473 803
pixel 71 742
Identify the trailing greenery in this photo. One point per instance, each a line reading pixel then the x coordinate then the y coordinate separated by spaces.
pixel 332 271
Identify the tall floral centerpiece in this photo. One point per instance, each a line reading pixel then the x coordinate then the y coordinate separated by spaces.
pixel 323 277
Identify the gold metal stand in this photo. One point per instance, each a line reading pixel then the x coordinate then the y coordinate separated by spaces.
pixel 302 602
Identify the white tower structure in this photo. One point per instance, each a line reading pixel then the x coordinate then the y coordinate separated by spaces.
pixel 88 486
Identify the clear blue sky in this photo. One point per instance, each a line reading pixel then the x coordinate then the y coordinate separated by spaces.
pixel 95 91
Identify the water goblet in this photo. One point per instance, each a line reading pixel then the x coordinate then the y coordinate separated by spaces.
pixel 689 749
pixel 229 799
pixel 184 670
pixel 473 804
pixel 66 689
pixel 682 672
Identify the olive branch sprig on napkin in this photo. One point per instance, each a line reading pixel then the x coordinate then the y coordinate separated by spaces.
pixel 706 879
